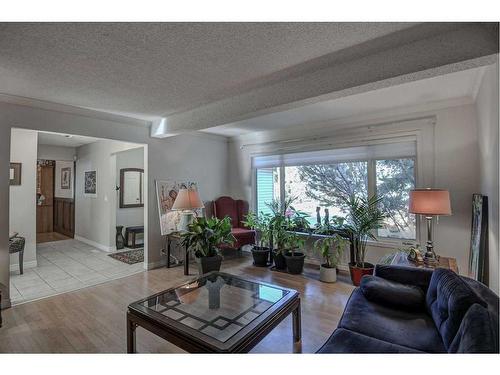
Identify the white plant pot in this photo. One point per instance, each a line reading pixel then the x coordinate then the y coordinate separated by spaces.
pixel 327 275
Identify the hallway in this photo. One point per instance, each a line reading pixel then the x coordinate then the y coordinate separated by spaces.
pixel 65 266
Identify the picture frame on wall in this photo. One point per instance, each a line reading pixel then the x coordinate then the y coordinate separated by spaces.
pixel 90 183
pixel 66 178
pixel 478 255
pixel 15 174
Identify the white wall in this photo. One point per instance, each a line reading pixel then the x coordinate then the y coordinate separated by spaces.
pixel 50 152
pixel 129 159
pixel 454 166
pixel 22 200
pixel 487 116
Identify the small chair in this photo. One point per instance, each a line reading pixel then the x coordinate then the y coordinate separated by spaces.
pixel 236 210
pixel 16 245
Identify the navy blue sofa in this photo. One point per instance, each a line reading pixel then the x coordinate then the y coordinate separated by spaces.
pixel 415 310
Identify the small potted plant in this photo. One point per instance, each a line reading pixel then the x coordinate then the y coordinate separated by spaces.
pixel 260 224
pixel 331 249
pixel 363 219
pixel 294 259
pixel 204 236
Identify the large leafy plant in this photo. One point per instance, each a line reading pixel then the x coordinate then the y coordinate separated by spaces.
pixel 363 219
pixel 204 236
pixel 331 249
pixel 259 223
pixel 285 221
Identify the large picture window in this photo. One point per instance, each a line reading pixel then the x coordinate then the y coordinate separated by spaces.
pixel 319 179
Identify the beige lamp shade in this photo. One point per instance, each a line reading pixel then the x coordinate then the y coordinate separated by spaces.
pixel 187 199
pixel 430 202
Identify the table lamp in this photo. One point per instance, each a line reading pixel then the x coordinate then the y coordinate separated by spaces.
pixel 430 203
pixel 187 200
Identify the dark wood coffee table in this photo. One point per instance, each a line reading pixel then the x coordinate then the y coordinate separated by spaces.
pixel 216 313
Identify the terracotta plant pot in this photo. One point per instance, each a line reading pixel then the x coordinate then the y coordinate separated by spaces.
pixel 260 256
pixel 295 262
pixel 327 274
pixel 208 264
pixel 358 272
pixel 279 260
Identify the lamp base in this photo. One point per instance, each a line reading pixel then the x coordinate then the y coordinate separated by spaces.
pixel 186 219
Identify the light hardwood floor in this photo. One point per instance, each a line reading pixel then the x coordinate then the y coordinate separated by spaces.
pixel 50 237
pixel 92 320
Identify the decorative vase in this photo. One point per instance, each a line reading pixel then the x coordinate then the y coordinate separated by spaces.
pixel 120 240
pixel 214 288
pixel 327 274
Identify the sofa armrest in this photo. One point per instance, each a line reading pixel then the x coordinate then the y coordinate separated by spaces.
pixel 420 277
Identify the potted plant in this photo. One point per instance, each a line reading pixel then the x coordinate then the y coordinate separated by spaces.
pixel 363 218
pixel 260 224
pixel 204 236
pixel 294 259
pixel 331 249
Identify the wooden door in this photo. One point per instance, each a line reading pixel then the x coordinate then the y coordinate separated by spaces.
pixel 45 188
pixel 64 216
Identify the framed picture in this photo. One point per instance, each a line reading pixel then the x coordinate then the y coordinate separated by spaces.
pixel 478 256
pixel 90 181
pixel 15 174
pixel 166 193
pixel 66 178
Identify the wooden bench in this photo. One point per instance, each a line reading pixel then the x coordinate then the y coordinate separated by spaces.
pixel 134 231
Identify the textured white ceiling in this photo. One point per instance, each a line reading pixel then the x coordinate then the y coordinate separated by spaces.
pixel 146 70
pixel 423 92
pixel 56 139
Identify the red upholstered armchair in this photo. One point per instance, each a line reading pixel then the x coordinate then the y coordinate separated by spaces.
pixel 236 210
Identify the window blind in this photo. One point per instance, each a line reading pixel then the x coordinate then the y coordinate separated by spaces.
pixel 332 156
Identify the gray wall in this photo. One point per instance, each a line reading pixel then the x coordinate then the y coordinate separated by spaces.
pixel 454 166
pixel 49 152
pixel 487 116
pixel 198 157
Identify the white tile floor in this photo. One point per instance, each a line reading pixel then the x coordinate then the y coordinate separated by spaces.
pixel 64 266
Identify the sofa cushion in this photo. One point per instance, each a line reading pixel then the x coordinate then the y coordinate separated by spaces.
pixel 478 332
pixel 414 330
pixel 345 341
pixel 393 294
pixel 448 299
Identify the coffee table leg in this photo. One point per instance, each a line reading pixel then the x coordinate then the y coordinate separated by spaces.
pixel 186 261
pixel 130 335
pixel 297 327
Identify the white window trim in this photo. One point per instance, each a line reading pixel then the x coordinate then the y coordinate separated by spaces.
pixel 419 129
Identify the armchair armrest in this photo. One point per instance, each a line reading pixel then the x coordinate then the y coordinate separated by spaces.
pixel 420 277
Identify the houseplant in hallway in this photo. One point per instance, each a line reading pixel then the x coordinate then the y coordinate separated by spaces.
pixel 204 236
pixel 259 223
pixel 331 249
pixel 364 217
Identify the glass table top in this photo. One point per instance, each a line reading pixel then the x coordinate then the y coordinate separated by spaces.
pixel 218 305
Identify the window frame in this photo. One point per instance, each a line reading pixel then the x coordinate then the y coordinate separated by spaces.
pixel 389 242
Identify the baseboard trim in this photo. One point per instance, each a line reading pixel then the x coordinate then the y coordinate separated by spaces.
pixel 157 264
pixel 108 249
pixel 26 265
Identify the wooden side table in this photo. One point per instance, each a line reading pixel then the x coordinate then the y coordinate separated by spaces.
pixel 401 259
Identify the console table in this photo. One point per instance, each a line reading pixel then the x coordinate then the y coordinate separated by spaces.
pixel 175 236
pixel 134 231
pixel 401 259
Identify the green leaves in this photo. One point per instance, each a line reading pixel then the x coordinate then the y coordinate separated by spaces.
pixel 204 235
pixel 331 249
